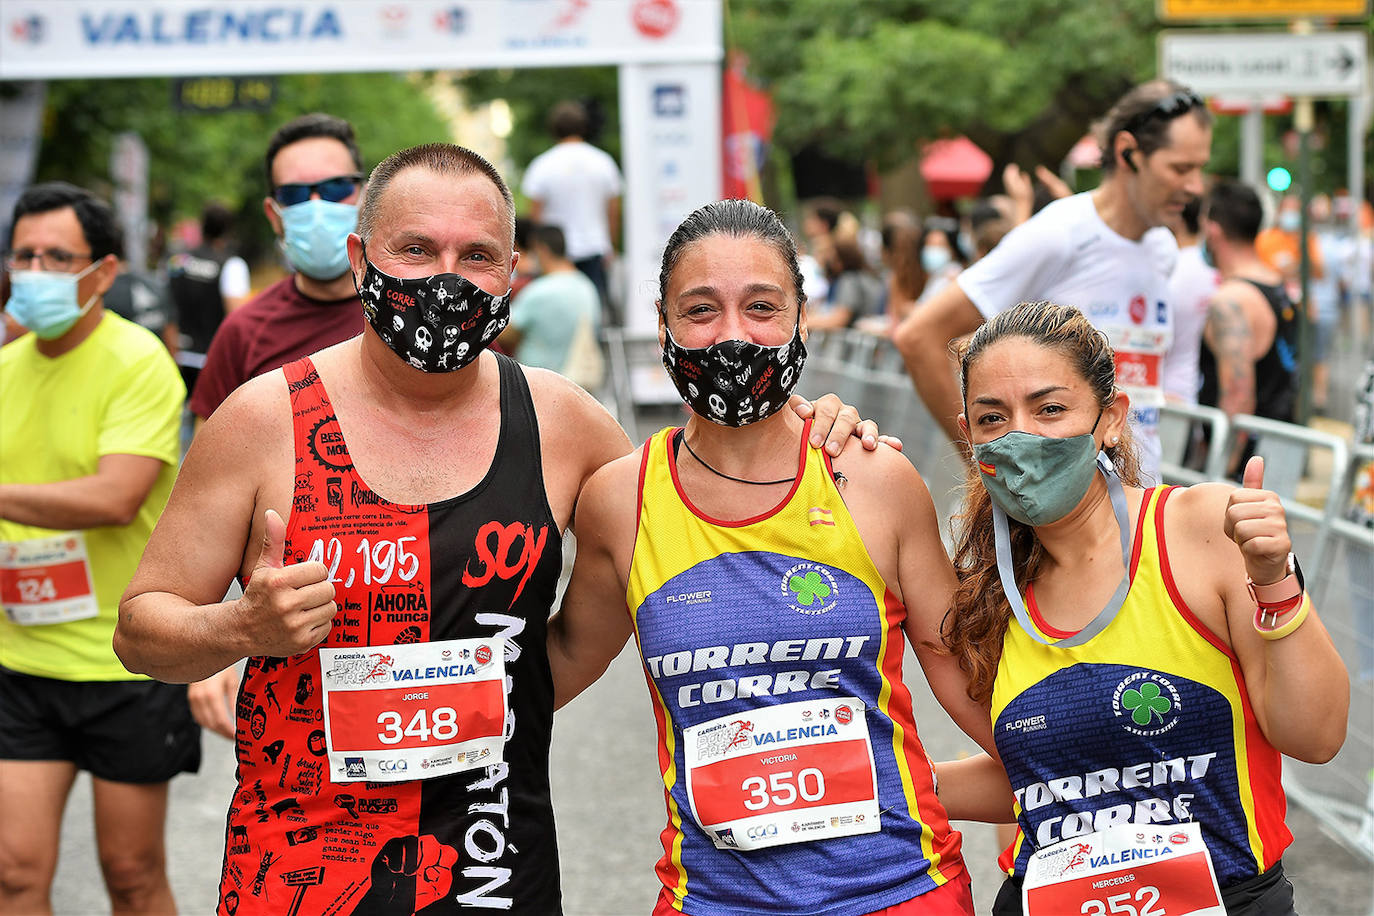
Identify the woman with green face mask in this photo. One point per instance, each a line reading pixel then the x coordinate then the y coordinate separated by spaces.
pixel 1146 655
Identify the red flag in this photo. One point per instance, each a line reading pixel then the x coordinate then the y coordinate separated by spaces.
pixel 747 113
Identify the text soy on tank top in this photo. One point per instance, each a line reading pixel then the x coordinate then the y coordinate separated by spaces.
pixel 481 564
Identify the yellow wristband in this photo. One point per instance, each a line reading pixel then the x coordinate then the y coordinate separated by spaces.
pixel 1281 631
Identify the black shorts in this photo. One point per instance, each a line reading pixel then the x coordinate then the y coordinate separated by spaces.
pixel 121 731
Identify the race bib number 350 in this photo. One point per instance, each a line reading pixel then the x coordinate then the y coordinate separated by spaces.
pixel 790 773
pixel 393 713
pixel 47 580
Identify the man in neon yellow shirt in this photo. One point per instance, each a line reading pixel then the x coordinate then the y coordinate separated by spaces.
pixel 88 452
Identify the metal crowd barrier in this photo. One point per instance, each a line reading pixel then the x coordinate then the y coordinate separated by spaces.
pixel 1177 425
pixel 1337 554
pixel 643 398
pixel 867 372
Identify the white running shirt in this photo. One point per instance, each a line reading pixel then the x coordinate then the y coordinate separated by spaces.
pixel 1190 292
pixel 574 181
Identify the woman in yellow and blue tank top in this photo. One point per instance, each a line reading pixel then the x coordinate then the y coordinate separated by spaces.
pixel 771 589
pixel 1146 654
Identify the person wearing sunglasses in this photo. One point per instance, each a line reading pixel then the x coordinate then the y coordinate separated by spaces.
pixel 1105 251
pixel 314 173
pixel 88 450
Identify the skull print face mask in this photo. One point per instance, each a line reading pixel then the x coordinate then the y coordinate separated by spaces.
pixel 439 323
pixel 735 382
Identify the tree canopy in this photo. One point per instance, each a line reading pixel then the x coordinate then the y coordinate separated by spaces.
pixel 195 157
pixel 871 80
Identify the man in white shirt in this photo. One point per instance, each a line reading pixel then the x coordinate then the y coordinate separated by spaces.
pixel 1104 251
pixel 576 187
pixel 1191 286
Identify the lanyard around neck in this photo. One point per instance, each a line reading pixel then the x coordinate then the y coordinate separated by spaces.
pixel 1002 538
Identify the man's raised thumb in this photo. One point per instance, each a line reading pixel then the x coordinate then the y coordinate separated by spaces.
pixel 273 541
pixel 1254 474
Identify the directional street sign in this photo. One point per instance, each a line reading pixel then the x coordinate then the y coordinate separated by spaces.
pixel 1256 63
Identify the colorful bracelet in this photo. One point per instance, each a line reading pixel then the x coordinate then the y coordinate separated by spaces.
pixel 1279 632
pixel 1271 611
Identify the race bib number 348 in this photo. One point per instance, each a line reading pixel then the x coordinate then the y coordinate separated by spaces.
pixel 790 773
pixel 394 713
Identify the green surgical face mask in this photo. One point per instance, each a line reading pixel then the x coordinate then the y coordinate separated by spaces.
pixel 1037 479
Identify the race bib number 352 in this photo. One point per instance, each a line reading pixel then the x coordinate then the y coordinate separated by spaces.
pixel 394 713
pixel 1126 870
pixel 790 773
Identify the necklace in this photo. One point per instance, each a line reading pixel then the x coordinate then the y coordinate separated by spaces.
pixel 756 483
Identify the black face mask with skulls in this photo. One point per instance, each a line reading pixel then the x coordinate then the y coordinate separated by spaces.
pixel 436 324
pixel 735 382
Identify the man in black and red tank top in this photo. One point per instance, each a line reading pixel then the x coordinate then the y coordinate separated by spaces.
pixel 395 718
pixel 1248 360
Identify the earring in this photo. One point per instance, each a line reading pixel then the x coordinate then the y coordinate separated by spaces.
pixel 1113 442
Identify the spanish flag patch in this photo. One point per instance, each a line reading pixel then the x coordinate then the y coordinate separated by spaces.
pixel 819 516
pixel 987 469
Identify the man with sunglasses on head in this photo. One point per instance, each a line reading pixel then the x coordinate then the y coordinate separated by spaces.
pixel 1105 251
pixel 314 173
pixel 89 432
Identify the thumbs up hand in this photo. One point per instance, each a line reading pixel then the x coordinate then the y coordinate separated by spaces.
pixel 285 610
pixel 1256 522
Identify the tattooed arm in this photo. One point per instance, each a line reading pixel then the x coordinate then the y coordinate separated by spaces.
pixel 1228 336
pixel 1227 333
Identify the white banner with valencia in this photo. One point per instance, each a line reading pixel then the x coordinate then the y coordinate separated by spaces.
pixel 51 39
pixel 790 773
pixel 393 713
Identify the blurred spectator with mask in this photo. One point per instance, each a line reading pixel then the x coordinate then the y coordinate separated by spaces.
pixel 315 174
pixel 1278 246
pixel 941 258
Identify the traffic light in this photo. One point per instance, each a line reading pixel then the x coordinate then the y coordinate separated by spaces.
pixel 1279 179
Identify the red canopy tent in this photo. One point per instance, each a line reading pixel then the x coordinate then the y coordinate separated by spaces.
pixel 955 168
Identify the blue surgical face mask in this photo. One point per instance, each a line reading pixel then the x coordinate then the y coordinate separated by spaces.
pixel 1206 254
pixel 317 236
pixel 934 258
pixel 1290 220
pixel 44 301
